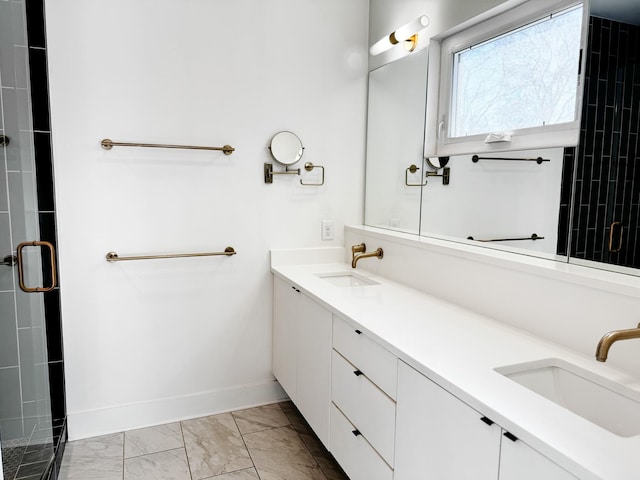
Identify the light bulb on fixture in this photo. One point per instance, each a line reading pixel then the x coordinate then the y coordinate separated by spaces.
pixel 406 34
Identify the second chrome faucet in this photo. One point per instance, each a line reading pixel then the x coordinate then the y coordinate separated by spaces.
pixel 358 252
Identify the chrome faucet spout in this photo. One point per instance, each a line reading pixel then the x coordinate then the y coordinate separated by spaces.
pixel 357 252
pixel 609 338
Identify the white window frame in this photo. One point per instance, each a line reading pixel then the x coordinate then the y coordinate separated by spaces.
pixel 441 56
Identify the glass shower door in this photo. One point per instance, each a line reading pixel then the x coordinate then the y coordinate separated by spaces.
pixel 25 402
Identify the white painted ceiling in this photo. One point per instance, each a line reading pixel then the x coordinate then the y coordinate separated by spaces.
pixel 627 11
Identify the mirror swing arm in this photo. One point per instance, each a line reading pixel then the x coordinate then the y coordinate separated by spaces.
pixel 269 173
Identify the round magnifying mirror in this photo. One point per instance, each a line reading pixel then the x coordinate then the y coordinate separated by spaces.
pixel 437 162
pixel 286 148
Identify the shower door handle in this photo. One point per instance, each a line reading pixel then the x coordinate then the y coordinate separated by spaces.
pixel 52 260
pixel 611 230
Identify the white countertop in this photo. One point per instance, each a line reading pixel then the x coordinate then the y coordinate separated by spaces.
pixel 459 350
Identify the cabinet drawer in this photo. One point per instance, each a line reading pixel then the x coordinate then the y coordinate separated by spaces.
pixel 380 365
pixel 356 457
pixel 365 405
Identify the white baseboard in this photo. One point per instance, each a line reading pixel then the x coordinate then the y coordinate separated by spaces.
pixel 165 410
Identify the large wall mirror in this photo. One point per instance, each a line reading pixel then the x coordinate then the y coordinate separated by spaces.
pixel 577 202
pixel 395 134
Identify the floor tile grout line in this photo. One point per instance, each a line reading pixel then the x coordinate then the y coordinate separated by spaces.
pixel 153 453
pixel 186 454
pixel 305 445
pixel 246 447
pixel 123 440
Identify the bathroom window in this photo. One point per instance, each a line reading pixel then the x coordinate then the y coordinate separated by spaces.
pixel 513 81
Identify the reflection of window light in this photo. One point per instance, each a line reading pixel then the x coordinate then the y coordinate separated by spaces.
pixel 523 78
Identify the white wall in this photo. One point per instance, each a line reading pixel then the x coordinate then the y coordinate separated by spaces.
pixel 567 304
pixel 150 341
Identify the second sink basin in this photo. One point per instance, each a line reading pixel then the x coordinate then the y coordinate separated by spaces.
pixel 606 403
pixel 346 279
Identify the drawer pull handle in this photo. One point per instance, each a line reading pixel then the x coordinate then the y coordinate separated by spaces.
pixel 356 432
pixel 487 420
pixel 358 332
pixel 357 373
pixel 510 436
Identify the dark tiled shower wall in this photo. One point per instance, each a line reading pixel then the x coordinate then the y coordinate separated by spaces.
pixel 47 217
pixel 607 187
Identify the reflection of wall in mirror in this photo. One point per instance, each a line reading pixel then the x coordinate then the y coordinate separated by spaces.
pixel 498 199
pixel 395 133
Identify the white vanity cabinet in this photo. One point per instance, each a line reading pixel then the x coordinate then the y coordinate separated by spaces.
pixel 302 354
pixel 363 391
pixel 518 461
pixel 441 436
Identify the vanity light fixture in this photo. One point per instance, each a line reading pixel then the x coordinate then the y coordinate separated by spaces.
pixel 407 35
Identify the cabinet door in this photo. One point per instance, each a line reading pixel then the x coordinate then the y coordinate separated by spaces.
pixel 439 436
pixel 314 365
pixel 518 461
pixel 285 335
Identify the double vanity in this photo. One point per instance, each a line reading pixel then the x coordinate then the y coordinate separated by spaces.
pixel 399 384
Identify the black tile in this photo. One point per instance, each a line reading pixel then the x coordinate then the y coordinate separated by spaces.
pixel 39 89
pixel 595 29
pixel 44 171
pixel 603 192
pixel 35 23
pixel 56 384
pixel 48 233
pixel 54 325
pixel 590 242
pixel 47 222
pixel 583 216
pixel 563 230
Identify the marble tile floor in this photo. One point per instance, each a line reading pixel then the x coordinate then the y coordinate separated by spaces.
pixel 272 442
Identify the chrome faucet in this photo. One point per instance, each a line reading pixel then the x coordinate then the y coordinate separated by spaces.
pixel 360 249
pixel 609 338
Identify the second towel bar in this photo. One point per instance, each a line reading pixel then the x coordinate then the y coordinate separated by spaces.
pixel 108 144
pixel 113 256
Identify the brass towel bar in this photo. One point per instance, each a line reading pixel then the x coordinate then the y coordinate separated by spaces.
pixel 532 237
pixel 113 256
pixel 108 144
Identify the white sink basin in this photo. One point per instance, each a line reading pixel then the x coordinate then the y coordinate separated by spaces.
pixel 346 279
pixel 608 404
